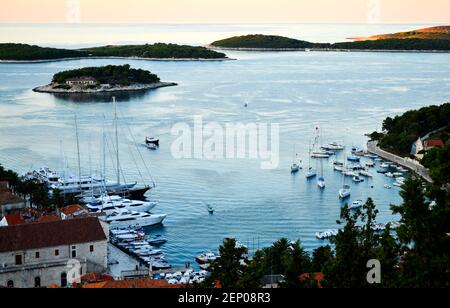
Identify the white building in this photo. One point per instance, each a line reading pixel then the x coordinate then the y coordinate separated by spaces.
pixel 81 81
pixel 44 254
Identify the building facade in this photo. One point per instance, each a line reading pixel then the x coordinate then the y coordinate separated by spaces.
pixel 82 81
pixel 52 253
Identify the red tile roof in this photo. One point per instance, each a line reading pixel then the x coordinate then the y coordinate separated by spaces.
pixel 95 278
pixel 72 209
pixel 133 284
pixel 318 277
pixel 15 220
pixel 51 234
pixel 47 218
pixel 433 143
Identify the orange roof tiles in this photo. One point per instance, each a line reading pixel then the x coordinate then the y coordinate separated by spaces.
pixel 15 219
pixel 133 284
pixel 72 209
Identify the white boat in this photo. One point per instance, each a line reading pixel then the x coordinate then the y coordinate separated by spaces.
pixel 357 179
pixel 366 173
pixel 152 146
pixel 334 146
pixel 321 183
pixel 345 192
pixel 151 140
pixel 387 186
pixel 70 184
pixel 295 168
pixel 370 164
pixel 109 207
pixel 356 204
pixel 207 257
pixel 127 219
pixel 385 166
pixel 338 168
pixel 320 154
pixel 350 173
pixel 389 175
pixel 311 174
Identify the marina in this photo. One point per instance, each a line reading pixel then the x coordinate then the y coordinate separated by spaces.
pixel 257 206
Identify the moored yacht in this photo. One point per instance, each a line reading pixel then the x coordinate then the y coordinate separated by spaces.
pixel 126 219
pixel 109 206
pixel 345 192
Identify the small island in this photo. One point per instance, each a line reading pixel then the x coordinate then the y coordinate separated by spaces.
pixel 158 52
pixel 109 78
pixel 436 39
pixel 263 42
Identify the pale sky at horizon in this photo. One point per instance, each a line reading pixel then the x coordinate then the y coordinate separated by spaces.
pixel 223 11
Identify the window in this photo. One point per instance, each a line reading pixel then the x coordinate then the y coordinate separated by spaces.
pixel 57 252
pixel 38 255
pixel 10 284
pixel 18 259
pixel 91 248
pixel 37 282
pixel 74 253
pixel 63 280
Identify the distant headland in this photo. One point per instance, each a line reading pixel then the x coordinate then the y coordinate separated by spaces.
pixel 436 39
pixel 18 53
pixel 103 79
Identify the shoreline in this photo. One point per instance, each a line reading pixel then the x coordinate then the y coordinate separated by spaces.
pixel 138 87
pixel 417 168
pixel 323 50
pixel 115 58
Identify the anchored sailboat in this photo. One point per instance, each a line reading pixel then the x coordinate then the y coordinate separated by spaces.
pixel 321 180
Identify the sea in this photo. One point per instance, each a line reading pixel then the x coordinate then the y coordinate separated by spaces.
pixel 344 95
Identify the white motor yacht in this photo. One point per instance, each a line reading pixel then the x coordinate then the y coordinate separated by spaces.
pixel 127 219
pixel 108 207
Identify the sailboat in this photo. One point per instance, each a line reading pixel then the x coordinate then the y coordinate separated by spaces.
pixel 295 166
pixel 321 180
pixel 318 152
pixel 345 191
pixel 311 172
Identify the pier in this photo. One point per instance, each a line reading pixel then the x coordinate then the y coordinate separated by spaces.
pixel 372 147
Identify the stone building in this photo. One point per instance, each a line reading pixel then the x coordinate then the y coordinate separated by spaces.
pixel 81 81
pixel 51 253
pixel 9 203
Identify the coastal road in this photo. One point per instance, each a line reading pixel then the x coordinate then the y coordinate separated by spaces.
pixel 372 147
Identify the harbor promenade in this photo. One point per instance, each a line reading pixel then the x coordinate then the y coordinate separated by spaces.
pixel 372 147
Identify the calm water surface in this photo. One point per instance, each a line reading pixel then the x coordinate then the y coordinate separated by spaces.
pixel 347 94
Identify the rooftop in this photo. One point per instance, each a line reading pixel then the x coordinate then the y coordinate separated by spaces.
pixel 133 284
pixel 14 220
pixel 72 209
pixel 433 143
pixel 51 234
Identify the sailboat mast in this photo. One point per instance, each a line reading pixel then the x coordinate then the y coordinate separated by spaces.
pixel 117 139
pixel 78 150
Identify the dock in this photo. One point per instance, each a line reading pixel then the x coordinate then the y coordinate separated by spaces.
pixel 414 166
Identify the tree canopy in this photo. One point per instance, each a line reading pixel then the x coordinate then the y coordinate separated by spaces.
pixel 111 74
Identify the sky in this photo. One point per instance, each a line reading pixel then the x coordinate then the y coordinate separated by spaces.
pixel 225 11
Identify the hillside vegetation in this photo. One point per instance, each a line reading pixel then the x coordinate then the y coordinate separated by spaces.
pixel 23 52
pixel 262 41
pixel 115 75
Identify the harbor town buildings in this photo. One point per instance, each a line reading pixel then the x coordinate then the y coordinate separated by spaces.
pixel 51 253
